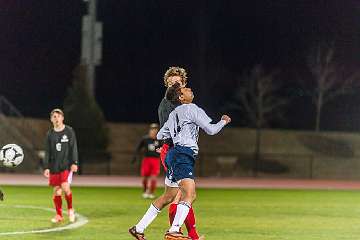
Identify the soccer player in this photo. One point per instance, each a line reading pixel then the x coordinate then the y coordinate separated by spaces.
pixel 183 128
pixel 1 195
pixel 150 165
pixel 172 75
pixel 175 75
pixel 61 160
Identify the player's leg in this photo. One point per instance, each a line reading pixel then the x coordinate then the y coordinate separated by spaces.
pixel 171 189
pixel 145 182
pixel 137 231
pixel 154 172
pixel 152 188
pixel 173 206
pixel 65 186
pixel 190 221
pixel 58 204
pixel 1 195
pixel 188 195
pixel 145 173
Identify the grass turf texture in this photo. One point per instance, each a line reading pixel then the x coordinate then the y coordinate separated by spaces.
pixel 221 214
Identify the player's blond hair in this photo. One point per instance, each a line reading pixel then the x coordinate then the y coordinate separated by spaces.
pixel 175 71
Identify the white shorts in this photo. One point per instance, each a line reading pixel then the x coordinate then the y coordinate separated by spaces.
pixel 170 183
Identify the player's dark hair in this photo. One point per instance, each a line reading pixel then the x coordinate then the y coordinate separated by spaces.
pixel 56 110
pixel 173 93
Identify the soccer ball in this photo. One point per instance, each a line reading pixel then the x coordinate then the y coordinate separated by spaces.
pixel 11 155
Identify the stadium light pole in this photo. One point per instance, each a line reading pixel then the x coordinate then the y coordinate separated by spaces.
pixel 91 44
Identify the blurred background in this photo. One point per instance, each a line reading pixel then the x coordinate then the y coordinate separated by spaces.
pixel 285 71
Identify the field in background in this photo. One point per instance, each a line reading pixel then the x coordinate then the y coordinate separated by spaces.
pixel 222 214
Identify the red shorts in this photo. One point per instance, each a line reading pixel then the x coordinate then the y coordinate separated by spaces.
pixel 164 150
pixel 150 166
pixel 56 179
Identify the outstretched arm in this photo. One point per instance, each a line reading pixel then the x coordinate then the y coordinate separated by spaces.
pixel 203 121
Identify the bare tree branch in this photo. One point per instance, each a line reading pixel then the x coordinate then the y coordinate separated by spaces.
pixel 330 80
pixel 256 96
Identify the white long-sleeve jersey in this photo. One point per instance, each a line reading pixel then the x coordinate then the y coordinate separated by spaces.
pixel 183 126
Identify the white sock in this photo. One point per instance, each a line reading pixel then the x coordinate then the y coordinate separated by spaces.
pixel 149 216
pixel 182 211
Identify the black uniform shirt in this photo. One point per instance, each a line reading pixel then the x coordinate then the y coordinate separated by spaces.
pixel 60 150
pixel 149 146
pixel 164 110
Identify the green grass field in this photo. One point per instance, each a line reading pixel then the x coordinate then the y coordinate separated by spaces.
pixel 221 214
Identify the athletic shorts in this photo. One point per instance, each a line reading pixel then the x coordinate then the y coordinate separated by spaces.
pixel 150 166
pixel 180 163
pixel 56 179
pixel 164 150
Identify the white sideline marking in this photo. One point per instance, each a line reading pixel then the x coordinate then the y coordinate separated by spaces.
pixel 80 221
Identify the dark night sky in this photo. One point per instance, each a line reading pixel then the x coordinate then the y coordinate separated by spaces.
pixel 40 46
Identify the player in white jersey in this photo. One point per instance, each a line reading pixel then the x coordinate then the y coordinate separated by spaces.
pixel 172 75
pixel 183 127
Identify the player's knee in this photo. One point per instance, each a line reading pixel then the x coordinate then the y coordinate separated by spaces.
pixel 168 199
pixel 189 196
pixel 57 191
pixel 193 196
pixel 66 189
pixel 162 201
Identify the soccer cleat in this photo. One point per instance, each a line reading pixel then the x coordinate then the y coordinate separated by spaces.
pixel 135 234
pixel 145 195
pixel 1 196
pixel 71 215
pixel 57 219
pixel 151 196
pixel 175 236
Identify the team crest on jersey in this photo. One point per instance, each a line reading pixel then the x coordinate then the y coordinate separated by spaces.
pixel 151 147
pixel 64 138
pixel 58 147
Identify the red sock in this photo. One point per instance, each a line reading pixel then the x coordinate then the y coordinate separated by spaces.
pixel 69 200
pixel 145 181
pixel 190 225
pixel 172 212
pixel 58 202
pixel 153 186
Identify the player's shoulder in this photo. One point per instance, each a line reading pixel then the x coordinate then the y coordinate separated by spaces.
pixel 164 102
pixel 49 132
pixel 69 129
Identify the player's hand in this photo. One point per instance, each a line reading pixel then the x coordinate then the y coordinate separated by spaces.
pixel 158 150
pixel 226 118
pixel 74 168
pixel 47 173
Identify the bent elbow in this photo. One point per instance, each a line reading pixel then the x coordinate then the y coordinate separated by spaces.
pixel 211 132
